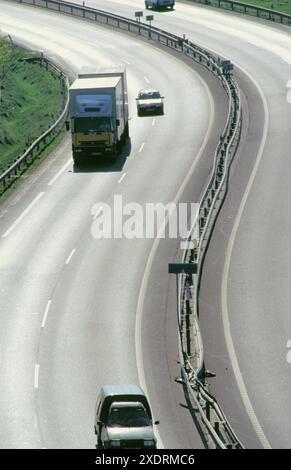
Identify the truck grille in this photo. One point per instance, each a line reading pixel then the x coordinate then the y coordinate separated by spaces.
pixel 94 143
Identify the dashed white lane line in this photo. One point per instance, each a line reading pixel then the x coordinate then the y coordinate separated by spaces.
pixel 97 213
pixel 24 213
pixel 122 177
pixel 70 255
pixel 36 373
pixel 46 314
pixel 153 121
pixel 52 181
pixel 146 79
pixel 141 147
pixel 125 61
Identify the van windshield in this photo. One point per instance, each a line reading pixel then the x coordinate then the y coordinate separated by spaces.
pixel 128 417
pixel 93 124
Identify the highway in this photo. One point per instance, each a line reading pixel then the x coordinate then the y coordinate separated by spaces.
pixel 76 313
pixel 245 295
pixel 69 302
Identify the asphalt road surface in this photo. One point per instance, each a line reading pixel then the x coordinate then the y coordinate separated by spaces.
pixel 91 307
pixel 69 301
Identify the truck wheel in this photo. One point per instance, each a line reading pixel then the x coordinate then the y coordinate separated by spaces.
pixel 77 160
pixel 147 5
pixel 118 149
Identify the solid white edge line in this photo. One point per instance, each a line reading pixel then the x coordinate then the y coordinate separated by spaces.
pixel 70 255
pixel 46 314
pixel 126 61
pixel 144 283
pixel 36 373
pixel 141 147
pixel 53 180
pixel 225 315
pixel 122 177
pixel 24 213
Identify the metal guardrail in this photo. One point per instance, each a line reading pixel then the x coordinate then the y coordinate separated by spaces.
pixel 22 163
pixel 213 417
pixel 248 8
pixel 210 205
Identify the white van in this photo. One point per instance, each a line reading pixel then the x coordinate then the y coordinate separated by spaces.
pixel 159 3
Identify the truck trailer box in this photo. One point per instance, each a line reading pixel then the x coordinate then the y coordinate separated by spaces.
pixel 98 113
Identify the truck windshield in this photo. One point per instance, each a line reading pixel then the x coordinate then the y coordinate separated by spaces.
pixel 93 124
pixel 128 417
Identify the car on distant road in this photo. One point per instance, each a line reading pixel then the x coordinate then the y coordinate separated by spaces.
pixel 160 3
pixel 150 102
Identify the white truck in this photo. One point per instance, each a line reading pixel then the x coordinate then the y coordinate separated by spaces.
pixel 159 4
pixel 98 114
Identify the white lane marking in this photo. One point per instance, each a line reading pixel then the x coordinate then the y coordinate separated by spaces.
pixel 125 61
pixel 146 79
pixel 24 213
pixel 46 314
pixel 52 181
pixel 36 373
pixel 70 256
pixel 122 177
pixel 155 245
pixel 225 276
pixel 153 121
pixel 141 147
pixel 225 316
pixel 97 213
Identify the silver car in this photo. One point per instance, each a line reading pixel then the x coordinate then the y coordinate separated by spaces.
pixel 123 418
pixel 150 102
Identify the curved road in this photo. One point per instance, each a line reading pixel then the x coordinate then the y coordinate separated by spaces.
pixel 245 293
pixel 68 301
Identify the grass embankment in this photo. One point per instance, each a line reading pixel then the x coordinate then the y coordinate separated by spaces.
pixel 278 5
pixel 30 101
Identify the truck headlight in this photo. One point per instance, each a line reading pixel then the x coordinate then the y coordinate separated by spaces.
pixel 115 443
pixel 149 442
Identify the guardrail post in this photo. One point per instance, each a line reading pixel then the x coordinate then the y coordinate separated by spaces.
pixel 207 410
pixel 216 427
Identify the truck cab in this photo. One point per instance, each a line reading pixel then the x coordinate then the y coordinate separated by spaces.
pixel 123 418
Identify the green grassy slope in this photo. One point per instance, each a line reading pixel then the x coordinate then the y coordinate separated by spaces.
pixel 30 100
pixel 278 5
